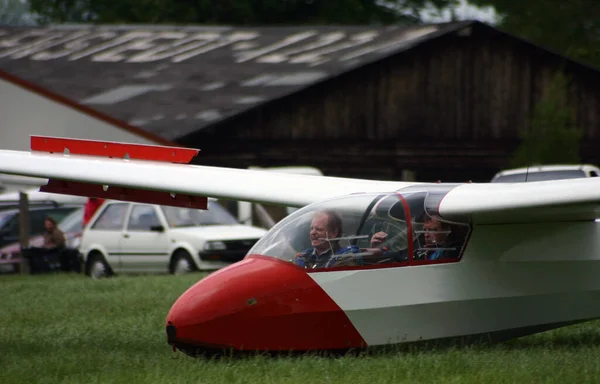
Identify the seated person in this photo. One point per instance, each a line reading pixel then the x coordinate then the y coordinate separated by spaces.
pixel 324 252
pixel 46 258
pixel 438 242
pixel 54 238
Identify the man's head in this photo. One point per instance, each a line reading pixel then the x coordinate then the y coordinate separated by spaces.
pixel 49 223
pixel 436 232
pixel 324 225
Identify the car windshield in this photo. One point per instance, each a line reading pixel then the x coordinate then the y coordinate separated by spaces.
pixel 539 176
pixel 72 222
pixel 188 217
pixel 5 217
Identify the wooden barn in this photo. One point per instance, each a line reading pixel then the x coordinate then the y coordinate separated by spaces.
pixel 438 102
pixel 449 108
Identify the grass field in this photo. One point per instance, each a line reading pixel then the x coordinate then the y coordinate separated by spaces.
pixel 70 329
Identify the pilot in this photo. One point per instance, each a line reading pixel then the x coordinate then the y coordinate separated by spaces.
pixel 324 252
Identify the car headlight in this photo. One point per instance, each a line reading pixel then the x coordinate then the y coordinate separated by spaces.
pixel 215 246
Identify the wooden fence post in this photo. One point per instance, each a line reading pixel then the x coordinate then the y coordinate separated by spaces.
pixel 24 229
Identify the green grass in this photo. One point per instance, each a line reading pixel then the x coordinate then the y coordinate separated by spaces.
pixel 70 329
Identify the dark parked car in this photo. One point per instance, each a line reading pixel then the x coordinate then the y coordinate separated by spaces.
pixel 71 225
pixel 9 221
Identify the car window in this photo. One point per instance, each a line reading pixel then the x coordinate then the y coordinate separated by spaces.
pixel 142 218
pixel 112 217
pixel 5 218
pixel 73 222
pixel 36 221
pixel 9 222
pixel 10 225
pixel 59 213
pixel 38 216
pixel 188 217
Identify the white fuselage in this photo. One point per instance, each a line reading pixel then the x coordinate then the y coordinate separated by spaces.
pixel 510 277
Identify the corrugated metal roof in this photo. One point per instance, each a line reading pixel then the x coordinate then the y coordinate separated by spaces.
pixel 172 81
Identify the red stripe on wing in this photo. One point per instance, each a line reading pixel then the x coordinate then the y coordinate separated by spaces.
pixel 124 193
pixel 112 149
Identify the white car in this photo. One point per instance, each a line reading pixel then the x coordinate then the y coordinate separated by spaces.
pixel 125 237
pixel 545 172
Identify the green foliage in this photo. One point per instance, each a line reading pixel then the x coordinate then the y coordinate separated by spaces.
pixel 550 136
pixel 232 12
pixel 15 13
pixel 571 28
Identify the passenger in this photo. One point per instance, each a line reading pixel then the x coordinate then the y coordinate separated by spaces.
pixel 438 244
pixel 326 225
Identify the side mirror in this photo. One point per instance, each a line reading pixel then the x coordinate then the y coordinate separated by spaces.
pixel 157 228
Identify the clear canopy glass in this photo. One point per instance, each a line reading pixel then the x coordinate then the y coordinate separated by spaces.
pixel 364 231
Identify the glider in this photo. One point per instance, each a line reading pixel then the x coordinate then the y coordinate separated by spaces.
pixel 362 263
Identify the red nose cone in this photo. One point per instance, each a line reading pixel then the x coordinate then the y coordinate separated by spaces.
pixel 260 304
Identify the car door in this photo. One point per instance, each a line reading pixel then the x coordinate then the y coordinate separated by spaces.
pixel 106 233
pixel 145 245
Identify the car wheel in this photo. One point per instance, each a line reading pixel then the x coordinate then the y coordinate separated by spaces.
pixel 181 263
pixel 97 267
